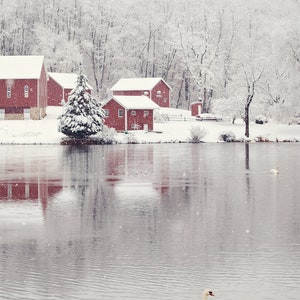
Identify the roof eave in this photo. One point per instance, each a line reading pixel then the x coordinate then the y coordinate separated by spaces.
pixel 130 107
pixel 17 78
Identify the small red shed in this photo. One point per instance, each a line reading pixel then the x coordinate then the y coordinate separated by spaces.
pixel 23 87
pixel 154 88
pixel 129 113
pixel 196 108
pixel 59 87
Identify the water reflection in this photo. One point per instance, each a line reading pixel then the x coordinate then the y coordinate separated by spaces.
pixel 27 185
pixel 247 156
pixel 151 221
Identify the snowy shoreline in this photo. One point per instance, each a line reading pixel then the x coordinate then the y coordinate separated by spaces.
pixel 44 132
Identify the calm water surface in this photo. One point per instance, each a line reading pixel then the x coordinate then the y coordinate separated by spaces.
pixel 150 222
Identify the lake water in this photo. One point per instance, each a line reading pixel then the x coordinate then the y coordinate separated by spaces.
pixel 146 222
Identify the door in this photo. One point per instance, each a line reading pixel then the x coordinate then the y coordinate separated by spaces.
pixel 2 114
pixel 26 113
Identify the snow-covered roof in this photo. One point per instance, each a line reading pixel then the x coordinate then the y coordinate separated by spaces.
pixel 21 67
pixel 137 84
pixel 135 102
pixel 66 80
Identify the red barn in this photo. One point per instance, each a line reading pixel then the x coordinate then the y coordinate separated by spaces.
pixel 59 87
pixel 23 87
pixel 129 112
pixel 154 88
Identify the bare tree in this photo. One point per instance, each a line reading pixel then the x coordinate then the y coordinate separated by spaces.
pixel 201 49
pixel 251 84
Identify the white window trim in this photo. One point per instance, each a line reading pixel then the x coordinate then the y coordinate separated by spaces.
pixel 26 91
pixel 8 91
pixel 120 113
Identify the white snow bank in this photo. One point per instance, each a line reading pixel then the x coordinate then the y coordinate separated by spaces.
pixel 45 131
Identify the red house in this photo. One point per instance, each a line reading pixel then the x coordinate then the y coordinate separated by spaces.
pixel 59 87
pixel 23 87
pixel 129 112
pixel 154 88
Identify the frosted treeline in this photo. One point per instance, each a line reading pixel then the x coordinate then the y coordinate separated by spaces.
pixel 211 50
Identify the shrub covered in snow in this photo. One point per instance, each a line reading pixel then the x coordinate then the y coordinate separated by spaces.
pixel 82 115
pixel 131 138
pixel 227 136
pixel 261 119
pixel 197 134
pixel 107 135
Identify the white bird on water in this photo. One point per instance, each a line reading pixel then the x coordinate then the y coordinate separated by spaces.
pixel 274 171
pixel 207 293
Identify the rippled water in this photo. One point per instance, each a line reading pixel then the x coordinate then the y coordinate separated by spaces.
pixel 150 222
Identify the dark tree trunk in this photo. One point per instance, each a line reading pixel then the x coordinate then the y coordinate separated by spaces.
pixel 247 106
pixel 187 91
pixel 251 86
pixel 180 90
pixel 247 156
pixel 247 121
pixel 204 100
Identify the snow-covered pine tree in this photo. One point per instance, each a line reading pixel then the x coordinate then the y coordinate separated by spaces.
pixel 82 115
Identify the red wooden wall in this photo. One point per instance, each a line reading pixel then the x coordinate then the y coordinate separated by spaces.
pixel 140 119
pixel 196 108
pixel 17 93
pixel 55 93
pixel 162 99
pixel 112 120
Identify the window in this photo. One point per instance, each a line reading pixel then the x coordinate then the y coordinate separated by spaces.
pixel 158 94
pixel 26 91
pixel 133 113
pixel 26 190
pixel 8 91
pixel 120 113
pixel 9 191
pixel 106 111
pixel 146 113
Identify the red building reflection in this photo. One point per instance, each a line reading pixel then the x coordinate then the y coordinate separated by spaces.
pixel 33 191
pixel 130 162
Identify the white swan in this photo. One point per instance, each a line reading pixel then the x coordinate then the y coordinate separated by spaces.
pixel 207 293
pixel 274 171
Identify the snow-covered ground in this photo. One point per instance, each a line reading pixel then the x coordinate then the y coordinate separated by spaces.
pixel 45 131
